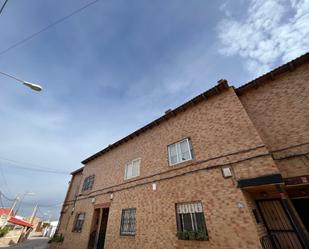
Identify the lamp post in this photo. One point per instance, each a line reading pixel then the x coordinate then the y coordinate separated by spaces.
pixel 33 86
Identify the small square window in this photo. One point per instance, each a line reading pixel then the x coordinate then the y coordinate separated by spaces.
pixel 132 169
pixel 180 152
pixel 128 221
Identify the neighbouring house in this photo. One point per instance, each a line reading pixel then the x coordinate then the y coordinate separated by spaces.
pixel 18 230
pixel 50 230
pixel 227 169
pixel 4 212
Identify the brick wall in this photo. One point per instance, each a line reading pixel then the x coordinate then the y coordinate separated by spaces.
pixel 244 132
pixel 279 110
pixel 217 126
pixel 228 225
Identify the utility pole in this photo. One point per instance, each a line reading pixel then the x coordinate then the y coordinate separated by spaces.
pixel 11 211
pixel 33 213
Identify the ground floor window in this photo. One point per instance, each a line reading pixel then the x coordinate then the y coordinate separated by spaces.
pixel 127 226
pixel 78 223
pixel 190 221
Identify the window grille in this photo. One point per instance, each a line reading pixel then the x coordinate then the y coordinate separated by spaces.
pixel 190 219
pixel 79 221
pixel 88 183
pixel 128 221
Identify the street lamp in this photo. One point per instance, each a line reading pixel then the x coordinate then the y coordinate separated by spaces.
pixel 33 86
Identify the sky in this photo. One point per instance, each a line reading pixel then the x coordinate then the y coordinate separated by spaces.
pixel 114 67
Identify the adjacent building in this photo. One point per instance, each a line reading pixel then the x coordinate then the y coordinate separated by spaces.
pixel 228 169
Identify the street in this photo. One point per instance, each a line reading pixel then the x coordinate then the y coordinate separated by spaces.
pixel 31 243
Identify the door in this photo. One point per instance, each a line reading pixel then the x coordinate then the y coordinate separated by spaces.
pixel 302 207
pixel 278 225
pixel 98 230
pixel 102 230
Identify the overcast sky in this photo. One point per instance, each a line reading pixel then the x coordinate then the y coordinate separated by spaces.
pixel 117 65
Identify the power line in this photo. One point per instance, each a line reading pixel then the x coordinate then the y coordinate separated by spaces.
pixel 4 181
pixel 1 202
pixel 20 165
pixel 48 27
pixel 7 198
pixel 3 6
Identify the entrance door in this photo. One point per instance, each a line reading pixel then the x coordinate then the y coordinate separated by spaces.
pixel 302 207
pixel 102 230
pixel 98 230
pixel 278 224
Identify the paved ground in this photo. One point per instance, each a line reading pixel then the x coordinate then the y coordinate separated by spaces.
pixel 32 243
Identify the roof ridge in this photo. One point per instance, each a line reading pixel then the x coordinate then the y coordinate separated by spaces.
pixel 289 66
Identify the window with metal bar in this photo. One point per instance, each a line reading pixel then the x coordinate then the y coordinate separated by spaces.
pixel 88 183
pixel 190 221
pixel 78 223
pixel 128 221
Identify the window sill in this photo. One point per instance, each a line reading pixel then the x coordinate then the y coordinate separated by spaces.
pixel 127 234
pixel 131 178
pixel 182 162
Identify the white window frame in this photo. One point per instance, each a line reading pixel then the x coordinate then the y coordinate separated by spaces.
pixel 131 163
pixel 178 152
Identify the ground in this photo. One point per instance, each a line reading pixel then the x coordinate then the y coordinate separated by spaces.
pixel 31 243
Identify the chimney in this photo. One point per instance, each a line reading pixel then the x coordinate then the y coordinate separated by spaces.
pixel 167 111
pixel 222 81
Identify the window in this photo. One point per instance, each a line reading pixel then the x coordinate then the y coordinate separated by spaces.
pixel 127 226
pixel 79 221
pixel 190 221
pixel 132 169
pixel 88 183
pixel 180 152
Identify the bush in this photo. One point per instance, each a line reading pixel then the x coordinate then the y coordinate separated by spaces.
pixel 192 235
pixel 57 239
pixel 201 235
pixel 4 231
pixel 182 235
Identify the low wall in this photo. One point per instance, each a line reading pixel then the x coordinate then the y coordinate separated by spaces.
pixel 10 238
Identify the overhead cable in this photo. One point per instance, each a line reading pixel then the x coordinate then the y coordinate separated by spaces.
pixel 47 27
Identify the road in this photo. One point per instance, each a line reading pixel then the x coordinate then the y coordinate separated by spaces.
pixel 32 243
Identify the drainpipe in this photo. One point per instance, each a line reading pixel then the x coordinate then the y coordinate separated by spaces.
pixel 288 208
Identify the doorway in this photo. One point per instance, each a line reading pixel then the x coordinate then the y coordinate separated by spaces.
pixel 279 225
pixel 99 226
pixel 302 208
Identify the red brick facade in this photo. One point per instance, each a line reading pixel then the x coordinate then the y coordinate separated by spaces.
pixel 258 130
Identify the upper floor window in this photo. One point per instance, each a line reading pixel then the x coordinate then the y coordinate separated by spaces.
pixel 78 223
pixel 127 226
pixel 132 169
pixel 190 221
pixel 180 152
pixel 88 183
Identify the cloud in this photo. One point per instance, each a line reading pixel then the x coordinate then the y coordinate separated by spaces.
pixel 270 32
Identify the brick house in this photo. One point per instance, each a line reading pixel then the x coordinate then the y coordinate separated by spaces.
pixel 228 169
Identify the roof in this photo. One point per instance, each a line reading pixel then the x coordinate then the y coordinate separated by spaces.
pixel 270 76
pixel 5 211
pixel 221 86
pixel 77 171
pixel 20 222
